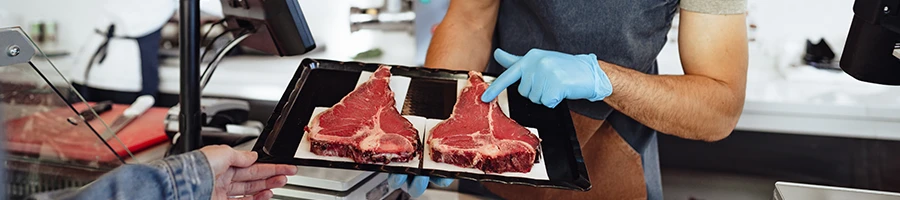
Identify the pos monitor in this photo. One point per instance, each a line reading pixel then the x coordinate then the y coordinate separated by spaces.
pixel 278 26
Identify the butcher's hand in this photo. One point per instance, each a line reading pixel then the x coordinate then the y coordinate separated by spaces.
pixel 415 186
pixel 238 176
pixel 548 77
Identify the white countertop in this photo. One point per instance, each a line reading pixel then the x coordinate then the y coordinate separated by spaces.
pixel 803 100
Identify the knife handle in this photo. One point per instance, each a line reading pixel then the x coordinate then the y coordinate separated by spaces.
pixel 99 108
pixel 140 105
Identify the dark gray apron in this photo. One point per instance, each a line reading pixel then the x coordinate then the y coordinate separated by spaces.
pixel 628 33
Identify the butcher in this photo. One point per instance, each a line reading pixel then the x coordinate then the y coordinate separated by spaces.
pixel 600 58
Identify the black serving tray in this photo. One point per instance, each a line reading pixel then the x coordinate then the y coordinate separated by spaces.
pixel 432 93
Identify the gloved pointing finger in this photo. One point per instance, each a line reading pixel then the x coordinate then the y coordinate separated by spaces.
pixel 510 76
pixel 505 59
pixel 548 77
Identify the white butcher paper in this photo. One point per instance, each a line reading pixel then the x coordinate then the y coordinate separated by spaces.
pixel 538 171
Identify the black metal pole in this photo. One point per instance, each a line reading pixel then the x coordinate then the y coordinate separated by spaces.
pixel 190 120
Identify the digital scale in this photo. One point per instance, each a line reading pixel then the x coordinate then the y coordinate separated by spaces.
pixel 336 184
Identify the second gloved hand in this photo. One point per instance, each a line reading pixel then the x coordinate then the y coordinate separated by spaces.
pixel 548 77
pixel 417 185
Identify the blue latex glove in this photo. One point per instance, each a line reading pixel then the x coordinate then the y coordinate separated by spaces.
pixel 548 77
pixel 417 185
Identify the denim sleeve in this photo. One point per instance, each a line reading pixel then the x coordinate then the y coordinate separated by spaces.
pixel 186 176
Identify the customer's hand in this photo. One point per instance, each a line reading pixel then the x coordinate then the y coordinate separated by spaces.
pixel 416 186
pixel 548 77
pixel 237 175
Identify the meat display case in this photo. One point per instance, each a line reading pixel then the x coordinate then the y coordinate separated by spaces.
pixel 427 94
pixel 48 144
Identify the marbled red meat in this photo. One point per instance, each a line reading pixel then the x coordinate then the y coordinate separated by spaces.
pixel 365 126
pixel 478 135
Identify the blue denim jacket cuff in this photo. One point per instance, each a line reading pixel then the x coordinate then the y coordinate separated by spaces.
pixel 190 175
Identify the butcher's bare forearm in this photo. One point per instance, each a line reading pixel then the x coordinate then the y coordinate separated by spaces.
pixel 687 106
pixel 463 39
pixel 706 102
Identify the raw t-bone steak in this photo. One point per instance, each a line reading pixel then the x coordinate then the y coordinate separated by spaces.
pixel 365 125
pixel 478 135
